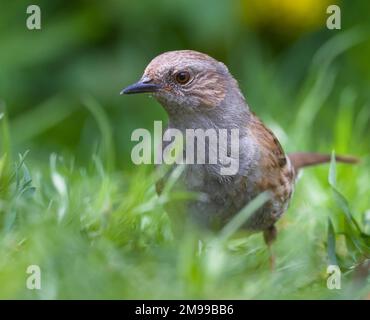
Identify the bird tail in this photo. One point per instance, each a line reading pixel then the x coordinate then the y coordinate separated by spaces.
pixel 304 159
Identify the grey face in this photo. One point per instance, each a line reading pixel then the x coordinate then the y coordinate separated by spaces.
pixel 184 79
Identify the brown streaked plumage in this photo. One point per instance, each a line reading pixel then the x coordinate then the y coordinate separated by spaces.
pixel 198 92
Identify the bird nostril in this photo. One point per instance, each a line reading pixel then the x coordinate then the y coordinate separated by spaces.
pixel 146 80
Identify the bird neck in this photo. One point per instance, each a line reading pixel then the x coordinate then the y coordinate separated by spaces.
pixel 232 113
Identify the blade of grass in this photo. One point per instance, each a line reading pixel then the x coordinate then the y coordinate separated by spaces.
pixel 4 131
pixel 105 129
pixel 340 200
pixel 39 119
pixel 238 221
pixel 60 186
pixel 320 81
pixel 353 232
pixel 5 151
pixel 332 258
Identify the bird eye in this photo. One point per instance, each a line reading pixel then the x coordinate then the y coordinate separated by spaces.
pixel 182 77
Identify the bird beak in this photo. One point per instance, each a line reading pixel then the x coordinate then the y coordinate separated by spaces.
pixel 141 87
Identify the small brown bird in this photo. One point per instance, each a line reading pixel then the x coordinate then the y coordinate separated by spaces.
pixel 198 92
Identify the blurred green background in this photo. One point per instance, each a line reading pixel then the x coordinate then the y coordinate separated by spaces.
pixel 59 87
pixel 96 48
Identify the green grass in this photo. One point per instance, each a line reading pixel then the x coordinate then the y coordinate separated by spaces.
pixel 96 235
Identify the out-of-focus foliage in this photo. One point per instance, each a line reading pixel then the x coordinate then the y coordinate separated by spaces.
pixel 286 17
pixel 96 48
pixel 77 206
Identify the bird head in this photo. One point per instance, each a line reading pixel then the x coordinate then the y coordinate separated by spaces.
pixel 185 81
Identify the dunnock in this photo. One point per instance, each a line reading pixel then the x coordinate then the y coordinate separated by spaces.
pixel 198 92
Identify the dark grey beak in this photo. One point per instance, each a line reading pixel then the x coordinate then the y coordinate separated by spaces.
pixel 140 87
